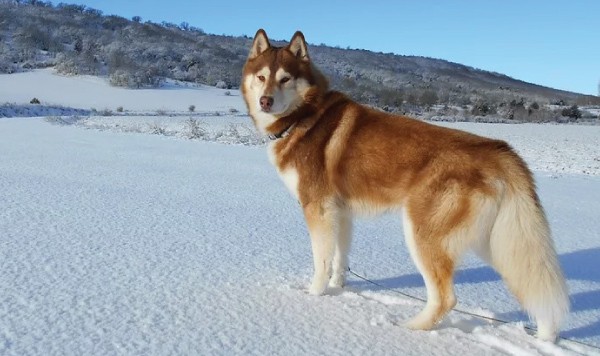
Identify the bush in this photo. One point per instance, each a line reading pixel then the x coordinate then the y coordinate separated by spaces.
pixel 35 101
pixel 120 109
pixel 192 108
pixel 106 112
pixel 193 129
pixel 7 67
pixel 482 109
pixel 66 65
pixel 135 79
pixel 572 112
pixel 157 129
pixel 120 78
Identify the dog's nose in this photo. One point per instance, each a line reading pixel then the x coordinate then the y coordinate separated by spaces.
pixel 266 102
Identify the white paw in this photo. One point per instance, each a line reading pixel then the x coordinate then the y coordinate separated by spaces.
pixel 546 335
pixel 317 287
pixel 338 281
pixel 420 322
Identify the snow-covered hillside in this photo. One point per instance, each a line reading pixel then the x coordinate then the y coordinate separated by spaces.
pixel 119 242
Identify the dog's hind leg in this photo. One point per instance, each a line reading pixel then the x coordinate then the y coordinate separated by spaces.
pixel 437 268
pixel 321 219
pixel 342 249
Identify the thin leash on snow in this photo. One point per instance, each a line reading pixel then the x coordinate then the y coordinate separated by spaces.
pixel 532 330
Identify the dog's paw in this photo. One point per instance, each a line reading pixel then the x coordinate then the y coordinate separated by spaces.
pixel 337 281
pixel 317 288
pixel 422 321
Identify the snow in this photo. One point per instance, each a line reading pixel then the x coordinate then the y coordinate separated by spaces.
pixel 117 242
pixel 88 92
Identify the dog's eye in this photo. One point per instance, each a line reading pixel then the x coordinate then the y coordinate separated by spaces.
pixel 261 78
pixel 284 80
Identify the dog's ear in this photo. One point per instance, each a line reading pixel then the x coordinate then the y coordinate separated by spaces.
pixel 298 46
pixel 260 44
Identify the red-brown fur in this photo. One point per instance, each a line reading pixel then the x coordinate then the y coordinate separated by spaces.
pixel 351 159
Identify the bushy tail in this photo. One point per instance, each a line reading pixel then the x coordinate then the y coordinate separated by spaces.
pixel 522 251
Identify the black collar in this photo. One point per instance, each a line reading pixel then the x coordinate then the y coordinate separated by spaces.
pixel 282 134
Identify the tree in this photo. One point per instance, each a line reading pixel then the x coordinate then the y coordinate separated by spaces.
pixel 390 97
pixel 428 98
pixel 78 45
pixel 482 108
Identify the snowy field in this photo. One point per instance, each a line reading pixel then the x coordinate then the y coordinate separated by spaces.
pixel 128 235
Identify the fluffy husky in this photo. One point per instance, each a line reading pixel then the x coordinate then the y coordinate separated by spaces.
pixel 456 191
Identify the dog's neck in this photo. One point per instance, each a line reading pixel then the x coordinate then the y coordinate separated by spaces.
pixel 284 126
pixel 304 116
pixel 285 133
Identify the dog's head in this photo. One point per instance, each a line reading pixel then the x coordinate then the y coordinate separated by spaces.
pixel 277 81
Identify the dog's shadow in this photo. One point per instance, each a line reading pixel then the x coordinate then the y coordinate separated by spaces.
pixel 580 265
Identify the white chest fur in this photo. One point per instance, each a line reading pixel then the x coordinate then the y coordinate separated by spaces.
pixel 289 175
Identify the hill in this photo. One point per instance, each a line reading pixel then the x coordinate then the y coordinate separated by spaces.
pixel 76 39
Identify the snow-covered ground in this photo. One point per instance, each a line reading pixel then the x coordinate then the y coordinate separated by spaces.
pixel 114 241
pixel 88 92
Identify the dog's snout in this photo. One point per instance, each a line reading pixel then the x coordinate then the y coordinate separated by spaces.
pixel 266 102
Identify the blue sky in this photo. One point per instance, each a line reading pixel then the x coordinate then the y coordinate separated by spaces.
pixel 552 43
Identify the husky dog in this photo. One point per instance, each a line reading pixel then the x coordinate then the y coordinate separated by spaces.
pixel 456 191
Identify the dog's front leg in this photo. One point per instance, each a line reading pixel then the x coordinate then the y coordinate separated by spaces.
pixel 321 221
pixel 342 239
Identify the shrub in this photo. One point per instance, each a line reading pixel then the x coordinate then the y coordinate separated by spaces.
pixel 482 109
pixel 7 66
pixel 106 112
pixel 120 109
pixel 66 65
pixel 34 101
pixel 192 108
pixel 519 113
pixel 120 78
pixel 194 129
pixel 228 93
pixel 157 129
pixel 221 84
pixel 572 112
